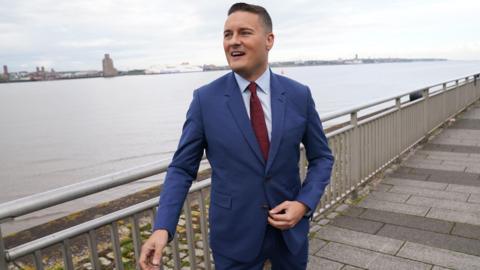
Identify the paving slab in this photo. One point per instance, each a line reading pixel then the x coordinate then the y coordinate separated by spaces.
pixel 444 204
pixel 455 216
pixel 473 168
pixel 466 124
pixel 317 263
pixel 463 188
pixel 474 198
pixel 349 267
pixel 440 240
pixel 448 156
pixel 382 187
pixel 462 133
pixel 458 168
pixel 354 211
pixel 422 223
pixel 454 148
pixel 359 239
pixel 368 259
pixel 415 183
pixel 315 244
pixel 394 207
pixel 466 230
pixel 389 196
pixel 436 267
pixel 440 257
pixel 357 224
pixel 471 114
pixel 449 195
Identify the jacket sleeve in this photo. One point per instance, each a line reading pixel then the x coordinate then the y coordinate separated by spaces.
pixel 182 170
pixel 320 159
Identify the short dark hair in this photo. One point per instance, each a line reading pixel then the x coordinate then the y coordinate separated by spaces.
pixel 259 10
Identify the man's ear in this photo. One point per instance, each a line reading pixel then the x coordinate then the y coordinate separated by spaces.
pixel 270 41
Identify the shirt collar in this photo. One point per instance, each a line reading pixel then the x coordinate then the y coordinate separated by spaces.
pixel 263 82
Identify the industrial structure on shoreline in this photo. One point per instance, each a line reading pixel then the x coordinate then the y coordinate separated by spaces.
pixel 109 70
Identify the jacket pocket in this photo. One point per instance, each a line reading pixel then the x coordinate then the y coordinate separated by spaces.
pixel 221 200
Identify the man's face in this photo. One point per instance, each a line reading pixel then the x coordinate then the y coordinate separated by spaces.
pixel 246 44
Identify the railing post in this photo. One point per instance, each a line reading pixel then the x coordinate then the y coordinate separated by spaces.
pixel 3 259
pixel 425 110
pixel 398 105
pixel 444 101
pixel 457 96
pixel 303 164
pixel 355 157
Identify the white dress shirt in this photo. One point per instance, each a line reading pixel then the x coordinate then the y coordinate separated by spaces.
pixel 263 84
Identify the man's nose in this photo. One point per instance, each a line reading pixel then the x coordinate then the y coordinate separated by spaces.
pixel 235 40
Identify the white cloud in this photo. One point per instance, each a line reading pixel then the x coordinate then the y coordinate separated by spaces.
pixel 75 34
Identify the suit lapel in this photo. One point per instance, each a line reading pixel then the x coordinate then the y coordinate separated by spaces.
pixel 278 116
pixel 239 113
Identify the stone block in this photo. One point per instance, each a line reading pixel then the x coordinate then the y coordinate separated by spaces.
pixel 317 263
pixel 354 211
pixel 315 244
pixel 394 207
pixel 416 183
pixel 474 198
pixel 368 259
pixel 439 240
pixel 357 224
pixel 463 188
pixel 444 204
pixel 449 195
pixel 359 239
pixel 422 223
pixel 466 230
pixel 440 257
pixel 382 187
pixel 342 208
pixel 389 196
pixel 455 216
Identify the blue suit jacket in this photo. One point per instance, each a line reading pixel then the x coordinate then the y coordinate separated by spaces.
pixel 244 186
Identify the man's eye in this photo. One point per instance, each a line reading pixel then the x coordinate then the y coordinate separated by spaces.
pixel 226 35
pixel 246 33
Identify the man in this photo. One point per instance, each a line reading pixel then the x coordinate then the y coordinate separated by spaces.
pixel 251 123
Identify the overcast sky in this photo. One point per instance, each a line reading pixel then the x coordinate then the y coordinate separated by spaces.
pixel 74 34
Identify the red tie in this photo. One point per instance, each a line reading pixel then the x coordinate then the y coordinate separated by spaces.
pixel 258 120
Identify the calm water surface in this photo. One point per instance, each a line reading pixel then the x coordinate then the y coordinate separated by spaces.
pixel 56 133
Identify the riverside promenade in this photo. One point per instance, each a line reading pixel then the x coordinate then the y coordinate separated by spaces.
pixel 424 214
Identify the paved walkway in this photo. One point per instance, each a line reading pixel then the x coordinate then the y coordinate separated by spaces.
pixel 424 215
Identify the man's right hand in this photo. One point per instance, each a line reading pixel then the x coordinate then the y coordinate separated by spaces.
pixel 151 254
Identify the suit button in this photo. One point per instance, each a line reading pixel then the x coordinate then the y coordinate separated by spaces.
pixel 268 178
pixel 265 206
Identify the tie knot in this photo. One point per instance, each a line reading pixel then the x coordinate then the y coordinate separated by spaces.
pixel 253 88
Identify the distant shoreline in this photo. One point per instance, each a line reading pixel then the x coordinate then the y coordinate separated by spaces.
pixel 206 68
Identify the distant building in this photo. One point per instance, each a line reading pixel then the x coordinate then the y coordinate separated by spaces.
pixel 5 73
pixel 108 69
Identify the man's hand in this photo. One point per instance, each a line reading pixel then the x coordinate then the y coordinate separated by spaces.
pixel 287 214
pixel 151 254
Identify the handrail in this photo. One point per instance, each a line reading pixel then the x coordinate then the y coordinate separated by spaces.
pixel 336 114
pixel 59 195
pixel 63 194
pixel 45 241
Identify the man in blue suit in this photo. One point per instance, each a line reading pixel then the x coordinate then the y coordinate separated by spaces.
pixel 250 122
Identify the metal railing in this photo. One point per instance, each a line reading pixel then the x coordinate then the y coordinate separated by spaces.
pixel 362 146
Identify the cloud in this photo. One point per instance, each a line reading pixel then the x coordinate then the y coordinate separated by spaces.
pixel 75 34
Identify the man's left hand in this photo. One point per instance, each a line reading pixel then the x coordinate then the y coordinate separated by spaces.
pixel 287 214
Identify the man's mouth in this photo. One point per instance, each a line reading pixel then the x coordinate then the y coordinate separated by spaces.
pixel 236 54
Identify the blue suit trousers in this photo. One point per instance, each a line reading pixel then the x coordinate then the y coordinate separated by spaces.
pixel 273 249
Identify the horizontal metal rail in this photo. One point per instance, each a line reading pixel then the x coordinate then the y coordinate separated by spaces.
pixel 361 146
